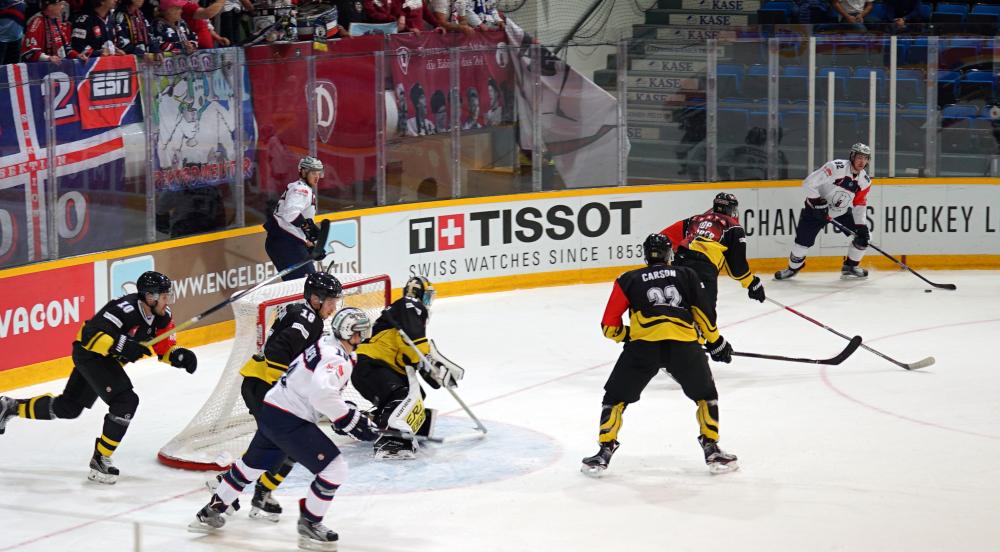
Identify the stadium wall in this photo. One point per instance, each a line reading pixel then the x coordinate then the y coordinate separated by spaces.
pixel 475 245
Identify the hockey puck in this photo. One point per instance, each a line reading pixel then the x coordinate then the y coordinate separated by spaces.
pixel 928 290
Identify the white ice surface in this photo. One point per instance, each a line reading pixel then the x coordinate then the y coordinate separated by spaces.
pixel 861 456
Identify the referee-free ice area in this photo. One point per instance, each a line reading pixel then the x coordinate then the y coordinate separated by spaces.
pixel 860 456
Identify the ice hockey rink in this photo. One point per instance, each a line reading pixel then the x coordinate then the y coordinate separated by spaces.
pixel 860 456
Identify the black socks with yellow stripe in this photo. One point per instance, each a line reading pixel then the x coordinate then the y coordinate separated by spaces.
pixel 708 419
pixel 611 422
pixel 36 408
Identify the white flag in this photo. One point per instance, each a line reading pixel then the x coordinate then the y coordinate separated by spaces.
pixel 579 118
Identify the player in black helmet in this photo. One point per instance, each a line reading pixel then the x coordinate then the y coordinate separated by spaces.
pixel 712 243
pixel 381 377
pixel 667 310
pixel 298 327
pixel 105 343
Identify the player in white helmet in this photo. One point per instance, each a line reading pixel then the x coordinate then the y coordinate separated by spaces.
pixel 838 190
pixel 291 231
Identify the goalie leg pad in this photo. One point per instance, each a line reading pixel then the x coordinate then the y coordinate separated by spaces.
pixel 427 428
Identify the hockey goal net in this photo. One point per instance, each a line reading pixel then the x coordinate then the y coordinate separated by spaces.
pixel 222 429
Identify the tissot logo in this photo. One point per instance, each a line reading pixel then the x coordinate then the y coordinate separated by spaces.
pixel 525 225
pixel 437 233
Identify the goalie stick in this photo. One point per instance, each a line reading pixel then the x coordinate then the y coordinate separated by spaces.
pixel 911 366
pixel 480 428
pixel 318 252
pixel 850 232
pixel 834 360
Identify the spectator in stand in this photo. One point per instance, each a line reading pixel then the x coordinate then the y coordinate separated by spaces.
pixel 135 36
pixel 483 15
pixel 11 30
pixel 853 13
pixel 231 20
pixel 904 16
pixel 171 33
pixel 197 18
pixel 95 32
pixel 386 11
pixel 47 36
pixel 351 11
pixel 443 16
pixel 813 12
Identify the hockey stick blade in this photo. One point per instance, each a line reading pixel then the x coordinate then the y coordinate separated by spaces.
pixel 920 364
pixel 850 232
pixel 834 360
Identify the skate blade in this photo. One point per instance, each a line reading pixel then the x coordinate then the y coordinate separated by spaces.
pixel 718 468
pixel 397 456
pixel 852 277
pixel 198 526
pixel 592 471
pixel 102 478
pixel 306 543
pixel 260 515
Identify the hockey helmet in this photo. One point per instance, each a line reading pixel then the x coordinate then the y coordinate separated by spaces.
pixel 154 284
pixel 657 249
pixel 725 204
pixel 322 285
pixel 349 321
pixel 310 164
pixel 421 289
pixel 860 149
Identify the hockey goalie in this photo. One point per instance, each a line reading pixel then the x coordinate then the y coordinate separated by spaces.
pixel 386 373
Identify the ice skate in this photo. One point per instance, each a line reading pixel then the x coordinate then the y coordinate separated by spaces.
pixel 8 409
pixel 263 505
pixel 717 460
pixel 315 535
pixel 852 272
pixel 209 518
pixel 595 465
pixel 787 273
pixel 394 448
pixel 102 470
pixel 213 484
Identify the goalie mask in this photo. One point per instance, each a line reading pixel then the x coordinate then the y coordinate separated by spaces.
pixel 349 321
pixel 421 289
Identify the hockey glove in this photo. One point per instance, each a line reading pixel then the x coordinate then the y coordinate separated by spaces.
pixel 755 290
pixel 311 230
pixel 816 207
pixel 618 334
pixel 183 358
pixel 720 350
pixel 355 424
pixel 432 373
pixel 862 235
pixel 129 349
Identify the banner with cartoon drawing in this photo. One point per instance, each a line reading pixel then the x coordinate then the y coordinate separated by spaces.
pixel 194 122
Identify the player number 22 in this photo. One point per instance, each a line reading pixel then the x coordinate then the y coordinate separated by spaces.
pixel 668 295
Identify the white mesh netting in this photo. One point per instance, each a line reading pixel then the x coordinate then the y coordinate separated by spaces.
pixel 222 429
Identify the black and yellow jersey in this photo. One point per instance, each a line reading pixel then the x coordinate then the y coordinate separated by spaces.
pixel 718 237
pixel 664 303
pixel 295 329
pixel 123 317
pixel 387 346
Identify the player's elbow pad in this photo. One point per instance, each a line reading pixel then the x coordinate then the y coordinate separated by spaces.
pixel 618 334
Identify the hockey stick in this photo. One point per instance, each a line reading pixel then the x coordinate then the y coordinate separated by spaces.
pixel 850 232
pixel 318 251
pixel 912 366
pixel 479 425
pixel 840 357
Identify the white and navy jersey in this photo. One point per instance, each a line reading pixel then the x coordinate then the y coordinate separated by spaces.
pixel 314 382
pixel 841 189
pixel 294 207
